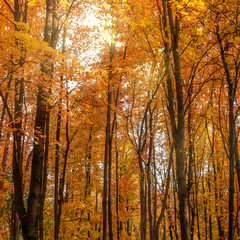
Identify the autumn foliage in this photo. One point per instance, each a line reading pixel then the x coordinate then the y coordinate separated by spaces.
pixel 119 119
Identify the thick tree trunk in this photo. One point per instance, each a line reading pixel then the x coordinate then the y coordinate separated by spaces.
pixel 30 218
pixel 14 235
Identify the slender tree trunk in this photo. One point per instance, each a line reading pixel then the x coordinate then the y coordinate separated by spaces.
pixel 155 192
pixel 88 174
pixel 56 182
pixel 63 174
pixel 175 205
pixel 232 137
pixel 44 182
pixel 3 166
pixel 217 196
pixel 180 139
pixel 237 160
pixel 164 202
pixel 129 225
pixel 149 182
pixel 178 123
pixel 190 165
pixel 105 192
pixel 232 134
pixel 17 134
pixel 57 187
pixel 6 145
pixel 117 182
pixel 110 175
pixel 107 181
pixel 17 142
pixel 205 209
pixel 96 207
pixel 143 207
pixel 209 207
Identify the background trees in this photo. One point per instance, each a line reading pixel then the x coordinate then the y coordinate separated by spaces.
pixel 122 116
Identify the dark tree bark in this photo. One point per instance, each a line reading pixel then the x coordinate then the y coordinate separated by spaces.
pixel 117 183
pixel 107 175
pixel 190 165
pixel 232 141
pixel 3 165
pixel 14 235
pixel 143 203
pixel 44 181
pixel 56 180
pixel 66 156
pixel 177 123
pixel 110 163
pixel 6 145
pixel 164 202
pixel 30 218
pixel 19 16
pixel 218 195
pixel 149 182
pixel 58 188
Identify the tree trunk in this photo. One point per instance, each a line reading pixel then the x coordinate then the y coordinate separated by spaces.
pixel 117 181
pixel 232 134
pixel 178 124
pixel 107 184
pixel 44 182
pixel 217 197
pixel 17 134
pixel 105 174
pixel 56 181
pixel 149 182
pixel 14 235
pixel 143 212
pixel 110 172
pixel 30 218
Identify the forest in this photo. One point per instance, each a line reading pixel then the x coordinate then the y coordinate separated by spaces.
pixel 119 119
